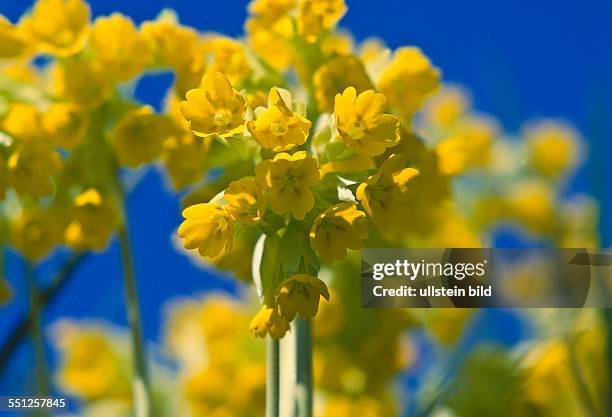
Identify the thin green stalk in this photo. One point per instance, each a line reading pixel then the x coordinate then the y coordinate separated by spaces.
pixel 40 362
pixel 141 386
pixel 272 377
pixel 303 392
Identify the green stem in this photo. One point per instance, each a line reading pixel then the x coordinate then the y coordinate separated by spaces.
pixel 40 362
pixel 141 387
pixel 272 377
pixel 303 392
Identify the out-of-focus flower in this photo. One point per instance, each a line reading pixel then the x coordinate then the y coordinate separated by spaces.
pixel 227 56
pixel 214 109
pixel 81 82
pixel 208 228
pixel 287 181
pixel 12 43
pixel 339 406
pixel 447 107
pixel 59 27
pixel 118 47
pixel 245 201
pixel 139 136
pixel 316 16
pixel 335 76
pixel 64 124
pixel 299 295
pixel 269 320
pixel 362 122
pixel 94 219
pixel 532 205
pixel 23 121
pixel 554 148
pixel 173 45
pixel 337 229
pixel 408 80
pixel 35 232
pixel 184 157
pixel 446 325
pixel 30 168
pixel 278 127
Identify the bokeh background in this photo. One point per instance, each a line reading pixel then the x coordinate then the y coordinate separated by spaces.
pixel 520 59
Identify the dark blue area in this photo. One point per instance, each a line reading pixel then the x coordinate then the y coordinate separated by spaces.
pixel 521 59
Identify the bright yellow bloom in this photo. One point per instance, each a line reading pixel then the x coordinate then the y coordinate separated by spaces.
pixel 245 201
pixel 227 56
pixel 408 80
pixel 362 122
pixel 184 157
pixel 23 121
pixel 139 136
pixel 337 229
pixel 268 320
pixel 172 44
pixel 35 232
pixel 447 107
pixel 64 125
pixel 300 294
pixel 532 204
pixel 5 291
pixel 12 44
pixel 385 194
pixel 316 16
pixel 287 181
pixel 208 228
pixel 278 127
pixel 59 27
pixel 94 219
pixel 30 168
pixel 82 83
pixel 270 29
pixel 335 76
pixel 119 48
pixel 554 148
pixel 214 109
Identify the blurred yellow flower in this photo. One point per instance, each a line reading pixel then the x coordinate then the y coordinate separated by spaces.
pixel 384 195
pixel 245 201
pixel 408 80
pixel 554 148
pixel 269 320
pixel 532 204
pixel 139 136
pixel 316 16
pixel 299 295
pixel 208 228
pixel 59 27
pixel 362 122
pixel 12 43
pixel 23 121
pixel 93 220
pixel 446 325
pixel 227 56
pixel 184 157
pixel 64 125
pixel 118 47
pixel 81 82
pixel 340 406
pixel 278 127
pixel 287 181
pixel 338 228
pixel 35 232
pixel 173 45
pixel 447 107
pixel 214 109
pixel 335 76
pixel 270 31
pixel 30 168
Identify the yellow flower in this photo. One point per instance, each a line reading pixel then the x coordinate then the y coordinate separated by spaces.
pixel 362 122
pixel 337 229
pixel 184 157
pixel 533 205
pixel 23 121
pixel 316 16
pixel 5 291
pixel 35 232
pixel 118 47
pixel 227 56
pixel 270 31
pixel 335 76
pixel 214 109
pixel 64 124
pixel 287 181
pixel 300 294
pixel 268 320
pixel 279 128
pixel 30 168
pixel 139 136
pixel 172 44
pixel 553 148
pixel 82 83
pixel 209 228
pixel 385 194
pixel 59 26
pixel 408 80
pixel 12 44
pixel 245 201
pixel 447 107
pixel 94 219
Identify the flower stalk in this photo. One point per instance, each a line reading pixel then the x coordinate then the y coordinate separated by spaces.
pixel 303 392
pixel 272 377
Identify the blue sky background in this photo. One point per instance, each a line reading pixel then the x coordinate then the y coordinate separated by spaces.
pixel 521 59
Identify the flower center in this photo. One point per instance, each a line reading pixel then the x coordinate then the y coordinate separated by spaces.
pixel 356 129
pixel 223 117
pixel 279 128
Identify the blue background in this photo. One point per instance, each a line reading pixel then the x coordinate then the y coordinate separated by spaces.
pixel 521 59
